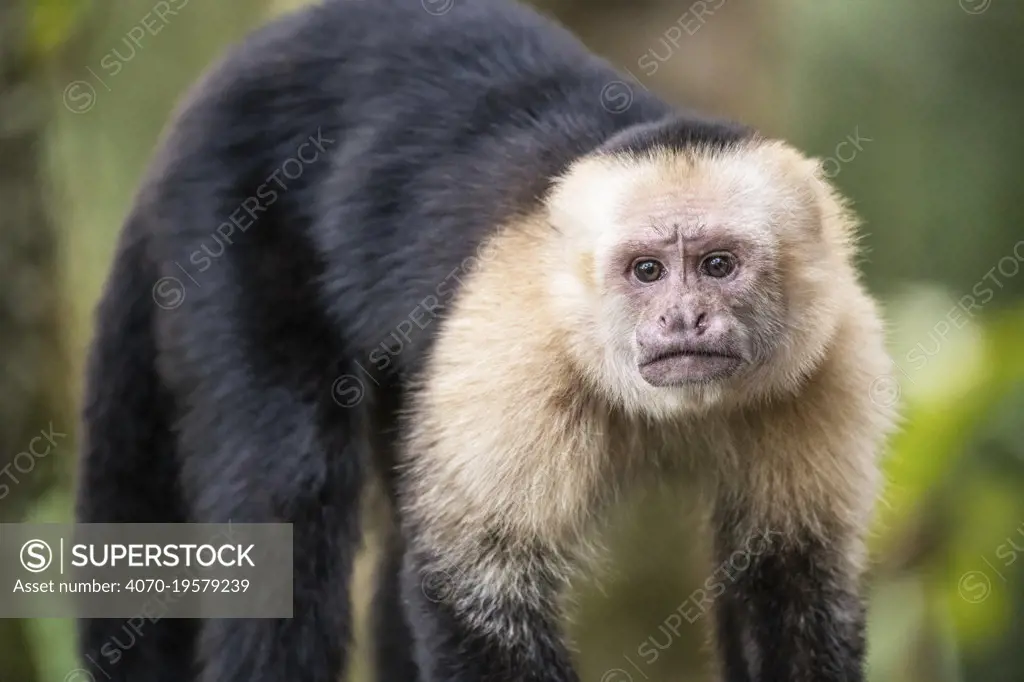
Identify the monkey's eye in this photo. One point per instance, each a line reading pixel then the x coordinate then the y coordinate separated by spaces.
pixel 718 265
pixel 648 270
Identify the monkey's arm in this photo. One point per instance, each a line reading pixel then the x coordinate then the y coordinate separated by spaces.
pixel 469 628
pixel 503 472
pixel 793 615
pixel 790 521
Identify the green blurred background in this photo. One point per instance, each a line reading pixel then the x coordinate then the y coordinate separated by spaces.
pixel 917 108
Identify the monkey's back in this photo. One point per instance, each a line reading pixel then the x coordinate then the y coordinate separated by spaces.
pixel 433 129
pixel 312 193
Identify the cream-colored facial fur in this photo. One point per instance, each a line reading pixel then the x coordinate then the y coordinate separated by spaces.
pixel 532 414
pixel 766 192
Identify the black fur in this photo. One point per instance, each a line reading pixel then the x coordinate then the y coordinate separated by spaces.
pixel 417 134
pixel 791 612
pixel 452 649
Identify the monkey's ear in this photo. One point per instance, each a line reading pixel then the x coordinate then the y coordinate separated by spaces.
pixel 811 198
pixel 836 216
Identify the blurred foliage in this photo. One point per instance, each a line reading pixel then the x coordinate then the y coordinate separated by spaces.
pixel 52 24
pixel 33 373
pixel 915 108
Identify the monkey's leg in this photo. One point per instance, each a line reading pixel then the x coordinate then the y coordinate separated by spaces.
pixel 493 620
pixel 126 473
pixel 793 603
pixel 291 469
pixel 393 643
pixel 310 646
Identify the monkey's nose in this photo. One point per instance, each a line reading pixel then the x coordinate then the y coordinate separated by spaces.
pixel 685 321
pixel 701 323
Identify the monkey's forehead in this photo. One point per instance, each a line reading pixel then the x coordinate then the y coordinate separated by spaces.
pixel 753 185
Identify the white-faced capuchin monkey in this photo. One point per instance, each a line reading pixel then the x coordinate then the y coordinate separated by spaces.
pixel 420 239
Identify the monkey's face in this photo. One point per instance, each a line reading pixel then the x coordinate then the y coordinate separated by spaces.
pixel 702 297
pixel 699 278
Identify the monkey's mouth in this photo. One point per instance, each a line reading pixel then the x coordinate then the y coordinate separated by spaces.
pixel 677 367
